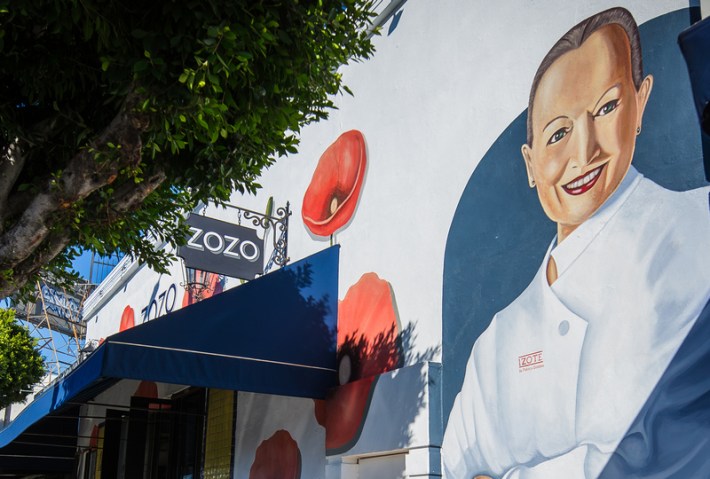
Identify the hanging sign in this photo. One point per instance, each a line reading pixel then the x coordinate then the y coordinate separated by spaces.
pixel 222 248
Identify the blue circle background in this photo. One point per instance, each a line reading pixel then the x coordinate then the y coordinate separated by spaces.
pixel 499 232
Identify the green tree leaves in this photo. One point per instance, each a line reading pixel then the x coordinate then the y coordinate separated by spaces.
pixel 126 114
pixel 21 365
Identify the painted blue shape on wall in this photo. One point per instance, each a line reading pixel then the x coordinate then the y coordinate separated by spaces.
pixel 499 233
pixel 671 435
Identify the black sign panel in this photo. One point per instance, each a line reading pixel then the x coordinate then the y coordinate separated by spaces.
pixel 223 248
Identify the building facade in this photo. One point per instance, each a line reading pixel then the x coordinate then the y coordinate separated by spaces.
pixel 492 319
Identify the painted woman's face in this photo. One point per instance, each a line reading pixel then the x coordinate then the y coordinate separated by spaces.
pixel 585 115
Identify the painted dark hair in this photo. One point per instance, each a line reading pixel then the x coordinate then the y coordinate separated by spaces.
pixel 577 35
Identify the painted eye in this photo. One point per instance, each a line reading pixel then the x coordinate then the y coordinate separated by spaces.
pixel 608 108
pixel 557 136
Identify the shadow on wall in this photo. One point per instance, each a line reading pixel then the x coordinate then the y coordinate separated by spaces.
pixel 374 409
pixel 303 297
pixel 499 233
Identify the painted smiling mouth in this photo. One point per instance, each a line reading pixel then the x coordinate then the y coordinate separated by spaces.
pixel 583 183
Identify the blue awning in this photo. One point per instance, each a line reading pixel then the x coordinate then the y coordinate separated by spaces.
pixel 273 335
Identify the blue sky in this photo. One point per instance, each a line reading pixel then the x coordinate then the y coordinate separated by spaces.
pixel 82 264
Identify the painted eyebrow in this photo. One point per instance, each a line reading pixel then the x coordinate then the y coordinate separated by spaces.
pixel 596 106
pixel 561 117
pixel 601 97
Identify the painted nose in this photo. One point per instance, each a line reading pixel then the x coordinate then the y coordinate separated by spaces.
pixel 586 147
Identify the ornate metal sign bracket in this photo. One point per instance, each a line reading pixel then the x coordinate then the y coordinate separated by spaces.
pixel 234 249
pixel 278 225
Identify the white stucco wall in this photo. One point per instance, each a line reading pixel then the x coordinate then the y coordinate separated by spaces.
pixel 439 90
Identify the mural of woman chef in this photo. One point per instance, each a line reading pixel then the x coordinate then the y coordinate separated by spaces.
pixel 553 384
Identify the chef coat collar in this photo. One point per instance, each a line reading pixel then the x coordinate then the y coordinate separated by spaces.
pixel 566 252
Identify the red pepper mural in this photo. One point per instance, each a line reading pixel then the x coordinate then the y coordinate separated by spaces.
pixel 332 195
pixel 367 346
pixel 367 320
pixel 277 458
pixel 214 286
pixel 127 319
pixel 94 438
pixel 147 389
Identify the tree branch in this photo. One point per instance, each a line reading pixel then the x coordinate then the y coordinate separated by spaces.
pixel 130 195
pixel 11 163
pixel 127 197
pixel 82 176
pixel 52 246
pixel 17 203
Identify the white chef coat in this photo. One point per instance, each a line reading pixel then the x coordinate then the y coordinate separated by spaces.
pixel 559 375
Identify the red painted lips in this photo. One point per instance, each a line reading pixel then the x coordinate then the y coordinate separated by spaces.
pixel 332 195
pixel 583 183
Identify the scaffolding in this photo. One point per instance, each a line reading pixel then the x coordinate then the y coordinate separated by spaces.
pixel 54 317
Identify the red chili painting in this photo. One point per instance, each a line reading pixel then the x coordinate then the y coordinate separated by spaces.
pixel 367 346
pixel 147 389
pixel 277 457
pixel 333 192
pixel 94 438
pixel 127 319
